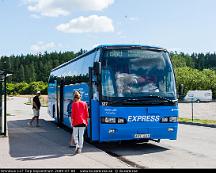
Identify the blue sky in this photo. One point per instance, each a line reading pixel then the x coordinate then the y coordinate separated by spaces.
pixel 32 26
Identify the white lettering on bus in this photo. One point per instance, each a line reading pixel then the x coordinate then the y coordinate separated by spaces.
pixel 143 118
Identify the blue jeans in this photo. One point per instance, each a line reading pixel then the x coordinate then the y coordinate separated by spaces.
pixel 78 135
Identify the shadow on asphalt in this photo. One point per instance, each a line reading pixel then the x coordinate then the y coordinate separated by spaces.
pixel 36 143
pixel 128 148
pixel 49 141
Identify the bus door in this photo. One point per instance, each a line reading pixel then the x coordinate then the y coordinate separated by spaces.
pixel 60 102
pixel 94 113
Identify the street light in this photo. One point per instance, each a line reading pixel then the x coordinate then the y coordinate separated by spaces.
pixel 3 77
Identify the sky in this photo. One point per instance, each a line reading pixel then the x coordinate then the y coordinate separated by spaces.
pixel 35 26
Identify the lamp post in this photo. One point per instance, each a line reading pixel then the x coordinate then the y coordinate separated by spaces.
pixel 5 103
pixel 3 80
pixel 1 103
pixel 4 76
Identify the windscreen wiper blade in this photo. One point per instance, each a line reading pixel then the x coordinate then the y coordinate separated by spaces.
pixel 162 98
pixel 130 100
pixel 144 99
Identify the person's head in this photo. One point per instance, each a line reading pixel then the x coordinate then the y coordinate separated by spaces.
pixel 77 95
pixel 38 93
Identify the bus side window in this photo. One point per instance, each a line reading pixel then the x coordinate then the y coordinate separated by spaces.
pixel 97 55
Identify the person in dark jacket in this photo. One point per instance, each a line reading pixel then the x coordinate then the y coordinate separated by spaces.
pixel 36 109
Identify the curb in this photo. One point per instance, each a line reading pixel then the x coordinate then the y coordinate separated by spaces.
pixel 199 124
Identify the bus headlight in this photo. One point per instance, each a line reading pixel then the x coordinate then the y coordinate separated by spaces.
pixel 108 120
pixel 121 121
pixel 113 120
pixel 164 120
pixel 169 120
pixel 173 119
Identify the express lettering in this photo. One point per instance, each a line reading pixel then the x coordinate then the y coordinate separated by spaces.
pixel 143 118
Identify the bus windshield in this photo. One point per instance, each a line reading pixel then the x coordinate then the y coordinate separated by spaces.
pixel 137 73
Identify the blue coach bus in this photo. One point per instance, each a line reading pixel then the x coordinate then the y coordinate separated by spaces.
pixel 130 91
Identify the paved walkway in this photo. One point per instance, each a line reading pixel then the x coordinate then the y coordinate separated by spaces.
pixel 46 146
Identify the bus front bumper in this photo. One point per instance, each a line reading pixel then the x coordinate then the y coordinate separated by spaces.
pixel 112 133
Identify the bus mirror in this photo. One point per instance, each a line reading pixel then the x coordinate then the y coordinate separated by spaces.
pixel 97 68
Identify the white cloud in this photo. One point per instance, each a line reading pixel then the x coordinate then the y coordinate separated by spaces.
pixel 88 24
pixel 55 8
pixel 42 46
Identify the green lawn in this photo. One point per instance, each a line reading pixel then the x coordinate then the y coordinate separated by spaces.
pixel 197 121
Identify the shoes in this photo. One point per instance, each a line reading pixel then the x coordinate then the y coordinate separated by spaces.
pixel 77 151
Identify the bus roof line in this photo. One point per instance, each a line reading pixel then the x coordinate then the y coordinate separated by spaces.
pixel 109 47
pixel 74 59
pixel 131 45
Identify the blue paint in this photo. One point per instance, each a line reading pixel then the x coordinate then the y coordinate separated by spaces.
pixel 95 124
pixel 139 121
pixel 156 129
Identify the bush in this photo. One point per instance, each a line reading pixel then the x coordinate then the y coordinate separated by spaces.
pixel 25 88
pixel 194 79
pixel 21 88
pixel 37 86
pixel 10 88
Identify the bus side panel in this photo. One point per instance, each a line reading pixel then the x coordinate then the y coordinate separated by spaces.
pixel 68 96
pixel 94 124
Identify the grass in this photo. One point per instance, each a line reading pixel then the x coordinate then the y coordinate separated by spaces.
pixel 188 120
pixel 10 115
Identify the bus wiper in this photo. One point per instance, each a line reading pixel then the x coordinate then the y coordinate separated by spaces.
pixel 141 100
pixel 129 100
pixel 162 98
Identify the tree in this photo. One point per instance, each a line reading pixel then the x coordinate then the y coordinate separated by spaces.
pixel 21 74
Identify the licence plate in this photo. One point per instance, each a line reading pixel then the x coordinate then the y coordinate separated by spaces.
pixel 141 136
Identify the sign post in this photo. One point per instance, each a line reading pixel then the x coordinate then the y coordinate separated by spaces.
pixel 1 118
pixel 192 112
pixel 3 105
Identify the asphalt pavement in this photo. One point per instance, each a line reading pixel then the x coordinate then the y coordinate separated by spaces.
pixel 47 146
